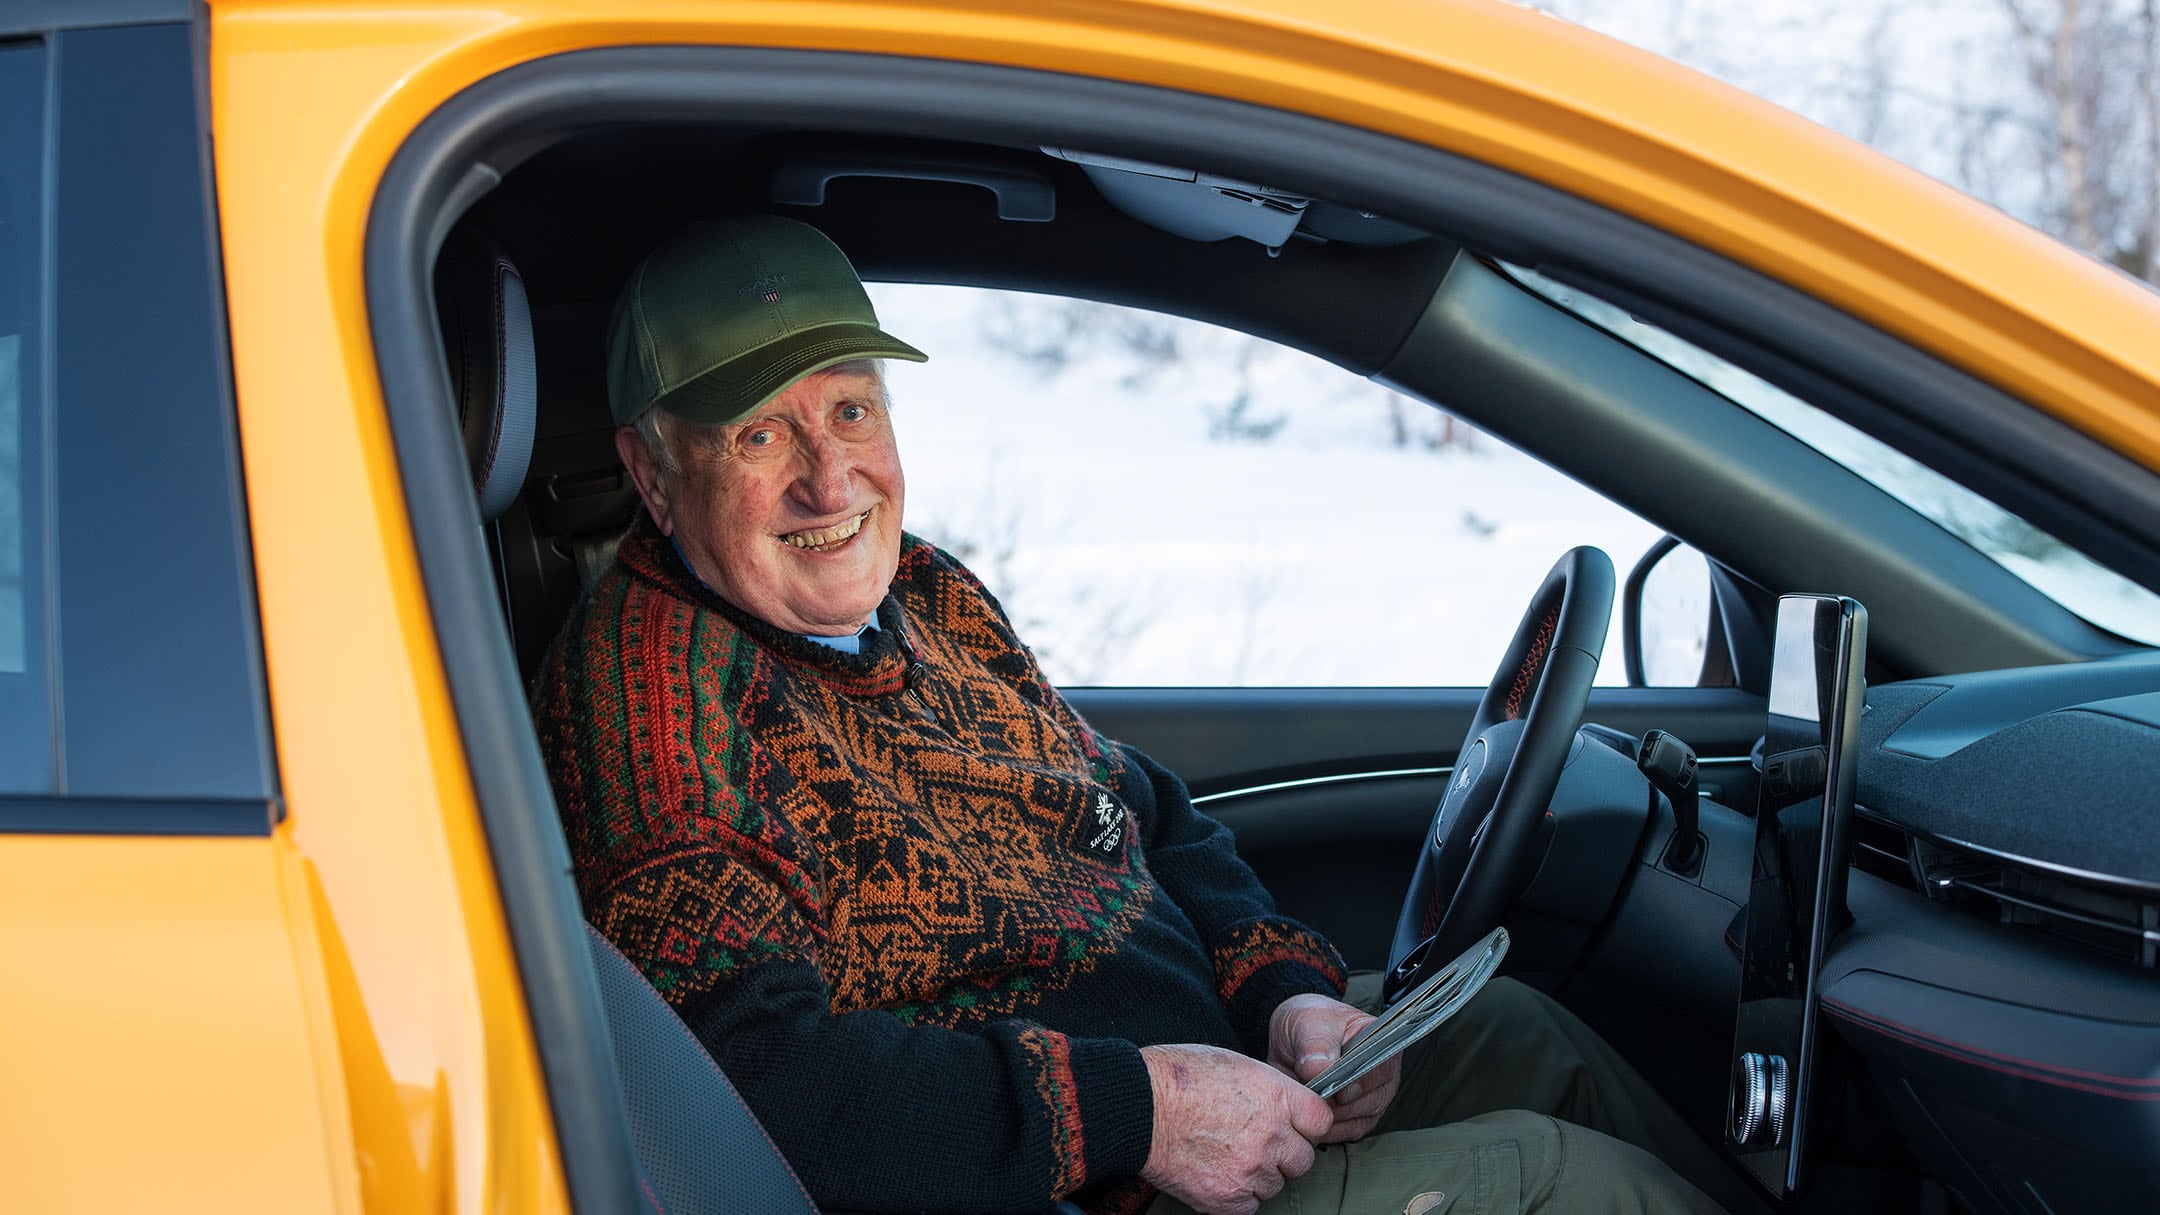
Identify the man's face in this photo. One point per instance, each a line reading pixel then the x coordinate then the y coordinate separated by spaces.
pixel 792 515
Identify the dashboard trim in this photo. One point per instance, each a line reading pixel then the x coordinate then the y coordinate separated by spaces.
pixel 1351 778
pixel 1341 778
pixel 2051 868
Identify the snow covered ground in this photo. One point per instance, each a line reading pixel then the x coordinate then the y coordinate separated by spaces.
pixel 1131 548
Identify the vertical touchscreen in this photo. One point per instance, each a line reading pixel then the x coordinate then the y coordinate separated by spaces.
pixel 1796 897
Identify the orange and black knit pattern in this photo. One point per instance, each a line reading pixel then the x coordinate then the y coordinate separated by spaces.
pixel 922 915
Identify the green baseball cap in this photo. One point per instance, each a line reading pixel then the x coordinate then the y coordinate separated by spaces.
pixel 719 320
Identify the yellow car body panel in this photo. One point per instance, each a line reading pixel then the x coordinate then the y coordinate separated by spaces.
pixel 165 1045
pixel 343 1026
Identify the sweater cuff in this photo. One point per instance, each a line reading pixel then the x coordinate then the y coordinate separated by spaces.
pixel 1114 1114
pixel 1263 962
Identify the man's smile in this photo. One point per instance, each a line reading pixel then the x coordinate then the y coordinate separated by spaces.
pixel 826 539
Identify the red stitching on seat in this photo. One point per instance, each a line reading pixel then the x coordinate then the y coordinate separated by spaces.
pixel 1540 645
pixel 1963 1052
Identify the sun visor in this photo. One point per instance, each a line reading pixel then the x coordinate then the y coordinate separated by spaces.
pixel 1191 204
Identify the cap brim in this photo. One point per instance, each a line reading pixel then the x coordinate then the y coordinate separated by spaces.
pixel 737 388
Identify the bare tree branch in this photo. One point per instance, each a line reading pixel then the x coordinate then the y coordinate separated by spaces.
pixel 2149 23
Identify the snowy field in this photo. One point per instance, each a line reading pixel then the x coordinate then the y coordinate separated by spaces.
pixel 1131 548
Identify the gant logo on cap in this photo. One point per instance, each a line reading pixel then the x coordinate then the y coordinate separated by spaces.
pixel 766 288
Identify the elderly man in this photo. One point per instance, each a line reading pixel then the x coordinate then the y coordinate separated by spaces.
pixel 958 951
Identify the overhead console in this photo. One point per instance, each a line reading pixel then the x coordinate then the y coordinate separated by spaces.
pixel 1210 207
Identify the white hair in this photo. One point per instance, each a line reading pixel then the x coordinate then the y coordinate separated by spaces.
pixel 665 435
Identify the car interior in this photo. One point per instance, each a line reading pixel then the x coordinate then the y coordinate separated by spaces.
pixel 1989 990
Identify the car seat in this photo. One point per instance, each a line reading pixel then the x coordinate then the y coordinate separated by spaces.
pixel 698 1147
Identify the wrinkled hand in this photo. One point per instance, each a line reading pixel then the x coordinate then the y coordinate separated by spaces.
pixel 1305 1035
pixel 1229 1131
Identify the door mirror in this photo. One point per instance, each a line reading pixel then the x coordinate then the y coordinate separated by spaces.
pixel 1667 614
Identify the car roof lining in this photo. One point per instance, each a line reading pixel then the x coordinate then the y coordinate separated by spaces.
pixel 466 147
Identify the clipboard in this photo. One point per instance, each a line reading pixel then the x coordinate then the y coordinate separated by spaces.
pixel 1415 1015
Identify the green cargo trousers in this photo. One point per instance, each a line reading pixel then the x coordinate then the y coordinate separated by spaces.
pixel 1511 1107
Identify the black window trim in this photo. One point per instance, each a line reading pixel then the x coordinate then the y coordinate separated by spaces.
pixel 462 150
pixel 22 17
pixel 143 816
pixel 186 692
pixel 40 600
pixel 232 790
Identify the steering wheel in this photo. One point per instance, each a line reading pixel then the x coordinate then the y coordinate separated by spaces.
pixel 1487 839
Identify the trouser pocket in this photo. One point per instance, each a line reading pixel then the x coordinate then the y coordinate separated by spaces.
pixel 1405 1174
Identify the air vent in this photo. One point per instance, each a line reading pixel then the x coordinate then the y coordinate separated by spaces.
pixel 2090 914
pixel 1883 850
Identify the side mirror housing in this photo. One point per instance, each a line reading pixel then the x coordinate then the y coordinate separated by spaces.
pixel 1669 627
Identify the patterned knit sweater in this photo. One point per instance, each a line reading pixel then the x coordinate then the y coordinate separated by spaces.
pixel 921 914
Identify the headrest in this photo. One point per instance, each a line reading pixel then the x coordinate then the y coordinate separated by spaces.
pixel 487 337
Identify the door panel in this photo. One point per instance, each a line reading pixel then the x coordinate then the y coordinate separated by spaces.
pixel 1221 739
pixel 1337 854
pixel 157 1036
pixel 1329 790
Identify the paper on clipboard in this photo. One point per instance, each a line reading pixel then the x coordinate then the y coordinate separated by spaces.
pixel 1415 1015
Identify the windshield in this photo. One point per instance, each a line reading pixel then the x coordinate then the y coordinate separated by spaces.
pixel 2058 571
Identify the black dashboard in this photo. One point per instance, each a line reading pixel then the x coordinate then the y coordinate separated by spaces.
pixel 1998 979
pixel 2056 767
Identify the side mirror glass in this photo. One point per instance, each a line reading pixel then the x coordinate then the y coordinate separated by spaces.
pixel 1666 617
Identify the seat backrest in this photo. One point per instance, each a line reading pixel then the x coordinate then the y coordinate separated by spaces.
pixel 487 333
pixel 700 1147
